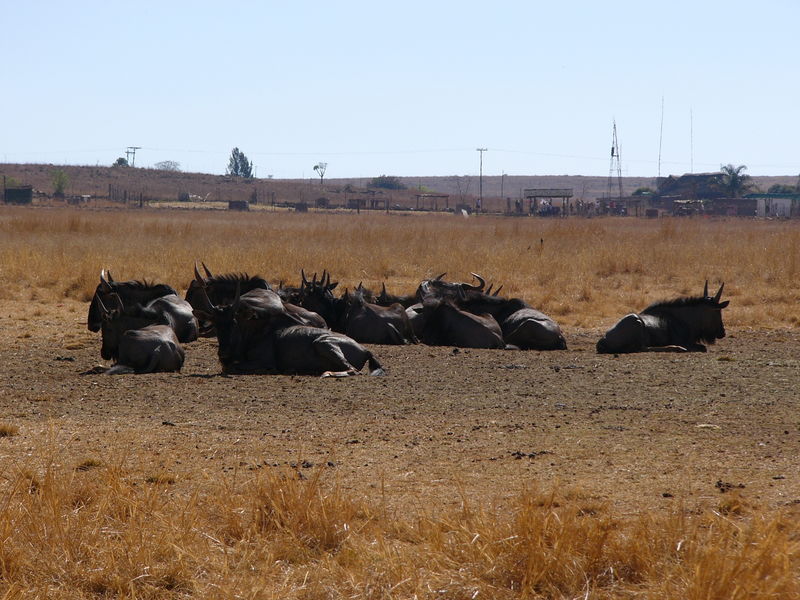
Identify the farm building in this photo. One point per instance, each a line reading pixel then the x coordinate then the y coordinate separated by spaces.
pixel 776 205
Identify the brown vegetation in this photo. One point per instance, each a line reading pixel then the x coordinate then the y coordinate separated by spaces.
pixel 585 273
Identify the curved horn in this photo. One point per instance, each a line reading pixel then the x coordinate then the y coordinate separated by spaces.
pixel 480 279
pixel 303 278
pixel 205 303
pixel 103 310
pixel 117 303
pixel 110 278
pixel 719 293
pixel 705 290
pixel 104 285
pixel 208 273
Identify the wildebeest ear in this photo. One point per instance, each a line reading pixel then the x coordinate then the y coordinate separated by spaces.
pixel 723 304
pixel 332 285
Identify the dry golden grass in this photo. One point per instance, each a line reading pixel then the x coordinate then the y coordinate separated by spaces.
pixel 585 273
pixel 109 532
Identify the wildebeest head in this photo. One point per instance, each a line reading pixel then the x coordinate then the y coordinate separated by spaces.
pixel 130 292
pixel 220 290
pixel 317 296
pixel 116 319
pixel 439 288
pixel 256 313
pixel 702 314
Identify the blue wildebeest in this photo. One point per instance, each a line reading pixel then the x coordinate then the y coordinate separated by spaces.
pixel 447 325
pixel 354 315
pixel 387 299
pixel 221 289
pixel 139 339
pixel 158 296
pixel 678 325
pixel 258 339
pixel 522 326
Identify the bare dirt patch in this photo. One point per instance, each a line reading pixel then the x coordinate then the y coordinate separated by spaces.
pixel 638 431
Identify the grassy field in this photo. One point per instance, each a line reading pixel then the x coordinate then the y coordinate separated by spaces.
pixel 585 273
pixel 97 529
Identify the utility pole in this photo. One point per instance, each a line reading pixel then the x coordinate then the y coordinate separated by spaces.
pixel 480 180
pixel 130 154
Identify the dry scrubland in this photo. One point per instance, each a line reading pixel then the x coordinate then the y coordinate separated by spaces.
pixel 586 273
pixel 96 529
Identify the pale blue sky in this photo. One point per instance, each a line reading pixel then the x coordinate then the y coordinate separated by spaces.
pixel 404 88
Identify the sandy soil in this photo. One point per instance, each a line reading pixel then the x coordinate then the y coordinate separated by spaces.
pixel 639 431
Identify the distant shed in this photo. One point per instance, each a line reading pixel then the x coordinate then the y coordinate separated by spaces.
pixel 18 194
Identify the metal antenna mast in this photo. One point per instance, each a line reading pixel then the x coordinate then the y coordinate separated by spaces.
pixel 130 154
pixel 660 137
pixel 616 166
pixel 480 180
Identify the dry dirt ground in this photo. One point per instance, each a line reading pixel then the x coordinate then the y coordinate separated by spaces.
pixel 640 431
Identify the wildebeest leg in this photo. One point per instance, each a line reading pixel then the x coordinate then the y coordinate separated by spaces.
pixel 119 369
pixel 332 355
pixel 671 348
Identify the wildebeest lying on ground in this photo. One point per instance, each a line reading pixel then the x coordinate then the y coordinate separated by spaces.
pixel 221 289
pixel 157 296
pixel 139 339
pixel 257 339
pixel 678 325
pixel 447 325
pixel 522 326
pixel 354 315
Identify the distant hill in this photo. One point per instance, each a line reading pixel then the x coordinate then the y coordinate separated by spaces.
pixel 169 185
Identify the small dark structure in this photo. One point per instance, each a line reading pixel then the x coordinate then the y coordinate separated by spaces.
pixel 18 194
pixel 238 205
pixel 541 201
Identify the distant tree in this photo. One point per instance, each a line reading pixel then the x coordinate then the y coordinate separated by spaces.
pixel 60 183
pixel 168 165
pixel 386 182
pixel 735 181
pixel 320 168
pixel 643 191
pixel 121 162
pixel 239 166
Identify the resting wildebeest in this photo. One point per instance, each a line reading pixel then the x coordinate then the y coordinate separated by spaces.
pixel 254 339
pixel 673 326
pixel 221 289
pixel 522 326
pixel 373 324
pixel 139 339
pixel 387 299
pixel 447 325
pixel 158 296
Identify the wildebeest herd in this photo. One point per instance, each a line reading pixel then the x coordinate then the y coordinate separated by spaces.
pixel 310 330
